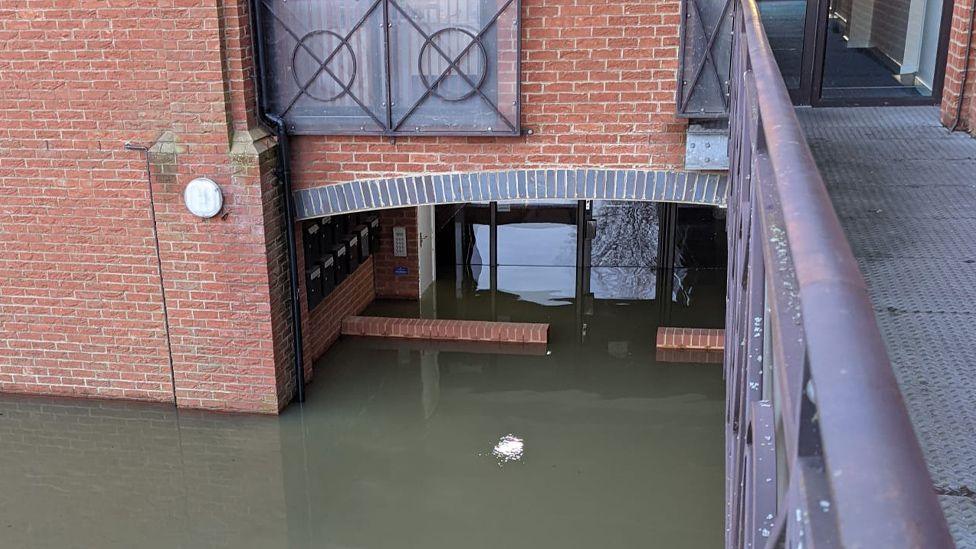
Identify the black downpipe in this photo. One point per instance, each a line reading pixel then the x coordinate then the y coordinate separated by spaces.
pixel 284 177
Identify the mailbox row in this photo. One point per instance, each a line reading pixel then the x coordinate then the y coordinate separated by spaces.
pixel 334 247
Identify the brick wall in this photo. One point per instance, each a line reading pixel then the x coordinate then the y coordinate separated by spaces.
pixel 598 84
pixel 81 290
pixel 80 302
pixel 954 93
pixel 84 299
pixel 389 284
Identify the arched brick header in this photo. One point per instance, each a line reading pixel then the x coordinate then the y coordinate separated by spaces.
pixel 527 185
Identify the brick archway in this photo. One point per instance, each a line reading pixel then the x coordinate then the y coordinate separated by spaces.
pixel 514 185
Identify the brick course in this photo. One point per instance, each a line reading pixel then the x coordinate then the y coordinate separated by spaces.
pixel 520 185
pixel 446 330
pixel 699 339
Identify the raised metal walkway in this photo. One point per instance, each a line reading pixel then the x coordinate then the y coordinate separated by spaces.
pixel 905 192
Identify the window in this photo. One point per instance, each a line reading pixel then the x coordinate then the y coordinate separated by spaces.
pixel 392 67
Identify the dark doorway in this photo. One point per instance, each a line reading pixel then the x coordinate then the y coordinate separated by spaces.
pixel 860 52
pixel 578 254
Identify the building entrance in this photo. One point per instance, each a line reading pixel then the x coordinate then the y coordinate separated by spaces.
pixel 860 52
pixel 495 258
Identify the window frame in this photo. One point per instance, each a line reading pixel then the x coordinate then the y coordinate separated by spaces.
pixel 387 121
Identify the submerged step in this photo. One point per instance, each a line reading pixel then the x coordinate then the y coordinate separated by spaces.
pixel 446 330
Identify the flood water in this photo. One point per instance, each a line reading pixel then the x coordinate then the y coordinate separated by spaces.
pixel 590 444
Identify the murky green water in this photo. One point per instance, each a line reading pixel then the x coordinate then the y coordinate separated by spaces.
pixel 593 445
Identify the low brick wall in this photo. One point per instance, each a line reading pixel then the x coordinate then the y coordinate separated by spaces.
pixel 446 330
pixel 468 347
pixel 690 339
pixel 692 356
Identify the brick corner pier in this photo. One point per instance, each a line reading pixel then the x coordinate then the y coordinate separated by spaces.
pixel 446 330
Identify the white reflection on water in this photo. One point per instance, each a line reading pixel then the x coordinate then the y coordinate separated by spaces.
pixel 508 449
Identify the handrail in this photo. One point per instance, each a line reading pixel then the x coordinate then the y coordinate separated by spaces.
pixel 810 383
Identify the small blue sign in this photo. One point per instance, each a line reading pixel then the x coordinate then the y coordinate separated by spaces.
pixel 400 271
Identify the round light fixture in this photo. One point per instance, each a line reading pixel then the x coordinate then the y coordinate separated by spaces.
pixel 203 198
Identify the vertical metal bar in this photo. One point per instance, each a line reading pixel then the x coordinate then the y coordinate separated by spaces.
pixel 460 257
pixel 284 168
pixel 680 94
pixel 666 257
pixel 493 257
pixel 387 26
pixel 815 39
pixel 258 44
pixel 764 486
pixel 493 231
pixel 582 265
pixel 518 61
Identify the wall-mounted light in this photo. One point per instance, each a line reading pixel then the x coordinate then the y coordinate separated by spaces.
pixel 203 198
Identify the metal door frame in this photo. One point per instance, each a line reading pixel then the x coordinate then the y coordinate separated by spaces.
pixel 810 91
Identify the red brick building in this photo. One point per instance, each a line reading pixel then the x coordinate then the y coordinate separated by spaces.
pixel 110 287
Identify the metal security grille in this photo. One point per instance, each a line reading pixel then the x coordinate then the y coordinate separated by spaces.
pixel 391 67
pixel 703 78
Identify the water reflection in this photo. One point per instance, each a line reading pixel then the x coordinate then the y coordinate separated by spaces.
pixel 105 474
pixel 389 451
pixel 567 252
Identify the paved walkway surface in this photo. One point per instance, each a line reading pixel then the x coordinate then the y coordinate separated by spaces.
pixel 905 191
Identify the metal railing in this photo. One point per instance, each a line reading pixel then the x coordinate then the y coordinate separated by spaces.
pixel 820 449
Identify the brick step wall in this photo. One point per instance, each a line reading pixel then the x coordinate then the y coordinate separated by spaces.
pixel 469 347
pixel 446 330
pixel 689 339
pixel 689 356
pixel 690 345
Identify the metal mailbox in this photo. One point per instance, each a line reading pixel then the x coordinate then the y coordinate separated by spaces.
pixel 352 244
pixel 374 233
pixel 340 259
pixel 313 286
pixel 312 241
pixel 328 274
pixel 365 246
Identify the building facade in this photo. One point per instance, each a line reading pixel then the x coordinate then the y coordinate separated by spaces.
pixel 111 288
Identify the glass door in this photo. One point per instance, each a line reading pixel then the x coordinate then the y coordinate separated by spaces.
pixel 859 52
pixel 785 22
pixel 882 51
